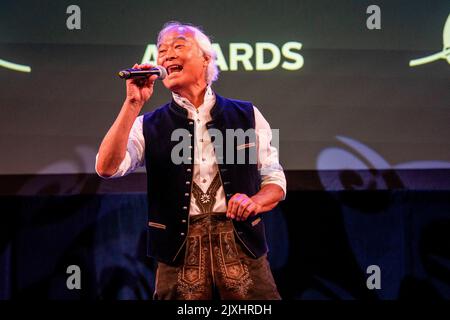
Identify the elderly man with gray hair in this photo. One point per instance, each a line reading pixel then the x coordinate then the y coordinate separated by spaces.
pixel 205 215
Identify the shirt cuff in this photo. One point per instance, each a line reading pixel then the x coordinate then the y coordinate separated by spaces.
pixel 120 171
pixel 281 182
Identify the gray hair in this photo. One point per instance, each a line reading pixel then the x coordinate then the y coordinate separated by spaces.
pixel 204 43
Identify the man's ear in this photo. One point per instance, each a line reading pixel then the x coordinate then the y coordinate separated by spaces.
pixel 206 60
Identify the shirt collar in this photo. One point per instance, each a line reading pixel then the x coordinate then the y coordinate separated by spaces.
pixel 208 102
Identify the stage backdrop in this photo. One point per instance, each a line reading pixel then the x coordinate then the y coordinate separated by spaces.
pixel 358 90
pixel 340 79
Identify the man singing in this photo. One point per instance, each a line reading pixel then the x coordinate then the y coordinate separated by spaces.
pixel 205 224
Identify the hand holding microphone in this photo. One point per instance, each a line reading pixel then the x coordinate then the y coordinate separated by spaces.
pixel 140 80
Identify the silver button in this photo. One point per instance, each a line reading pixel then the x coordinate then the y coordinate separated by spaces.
pixel 187 182
pixel 188 170
pixel 190 147
pixel 190 135
pixel 182 234
pixel 183 221
pixel 191 123
pixel 186 194
pixel 184 208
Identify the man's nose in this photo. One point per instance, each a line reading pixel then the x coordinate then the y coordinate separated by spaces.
pixel 170 54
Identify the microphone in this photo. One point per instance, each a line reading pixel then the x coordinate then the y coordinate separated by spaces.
pixel 139 73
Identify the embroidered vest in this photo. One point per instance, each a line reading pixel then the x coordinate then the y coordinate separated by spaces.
pixel 170 185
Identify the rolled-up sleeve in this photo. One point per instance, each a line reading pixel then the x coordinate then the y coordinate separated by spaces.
pixel 268 161
pixel 134 156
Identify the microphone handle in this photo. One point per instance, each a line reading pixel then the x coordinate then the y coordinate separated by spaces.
pixel 137 73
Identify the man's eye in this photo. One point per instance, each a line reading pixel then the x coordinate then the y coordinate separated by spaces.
pixel 178 46
pixel 162 51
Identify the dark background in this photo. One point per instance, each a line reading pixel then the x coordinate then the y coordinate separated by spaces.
pixel 364 141
pixel 354 83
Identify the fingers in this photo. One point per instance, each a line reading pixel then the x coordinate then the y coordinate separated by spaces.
pixel 243 205
pixel 141 82
pixel 249 211
pixel 144 81
pixel 232 206
pixel 143 66
pixel 240 207
pixel 151 79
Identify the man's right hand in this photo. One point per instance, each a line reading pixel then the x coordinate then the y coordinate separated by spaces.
pixel 113 148
pixel 139 90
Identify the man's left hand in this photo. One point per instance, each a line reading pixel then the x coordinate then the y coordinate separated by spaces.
pixel 240 207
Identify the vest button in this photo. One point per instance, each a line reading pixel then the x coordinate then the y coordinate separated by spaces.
pixel 188 170
pixel 182 234
pixel 186 194
pixel 184 208
pixel 183 221
pixel 226 182
pixel 191 123
pixel 187 182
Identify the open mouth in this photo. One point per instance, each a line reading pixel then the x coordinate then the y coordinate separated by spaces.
pixel 174 68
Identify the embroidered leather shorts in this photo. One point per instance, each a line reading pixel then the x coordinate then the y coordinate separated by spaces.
pixel 215 265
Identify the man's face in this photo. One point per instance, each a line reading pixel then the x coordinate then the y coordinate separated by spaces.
pixel 180 54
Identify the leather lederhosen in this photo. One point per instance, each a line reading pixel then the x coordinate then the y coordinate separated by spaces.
pixel 214 261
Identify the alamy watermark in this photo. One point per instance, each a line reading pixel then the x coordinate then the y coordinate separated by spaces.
pixel 242 147
pixel 237 146
pixel 73 21
pixel 373 21
pixel 374 280
pixel 74 279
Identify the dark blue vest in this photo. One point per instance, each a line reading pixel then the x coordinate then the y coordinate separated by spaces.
pixel 169 184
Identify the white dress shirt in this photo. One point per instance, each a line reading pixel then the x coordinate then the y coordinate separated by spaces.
pixel 205 166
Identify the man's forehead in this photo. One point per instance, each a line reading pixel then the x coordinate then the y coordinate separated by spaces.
pixel 177 33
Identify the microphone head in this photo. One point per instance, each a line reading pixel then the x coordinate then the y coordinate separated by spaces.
pixel 162 72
